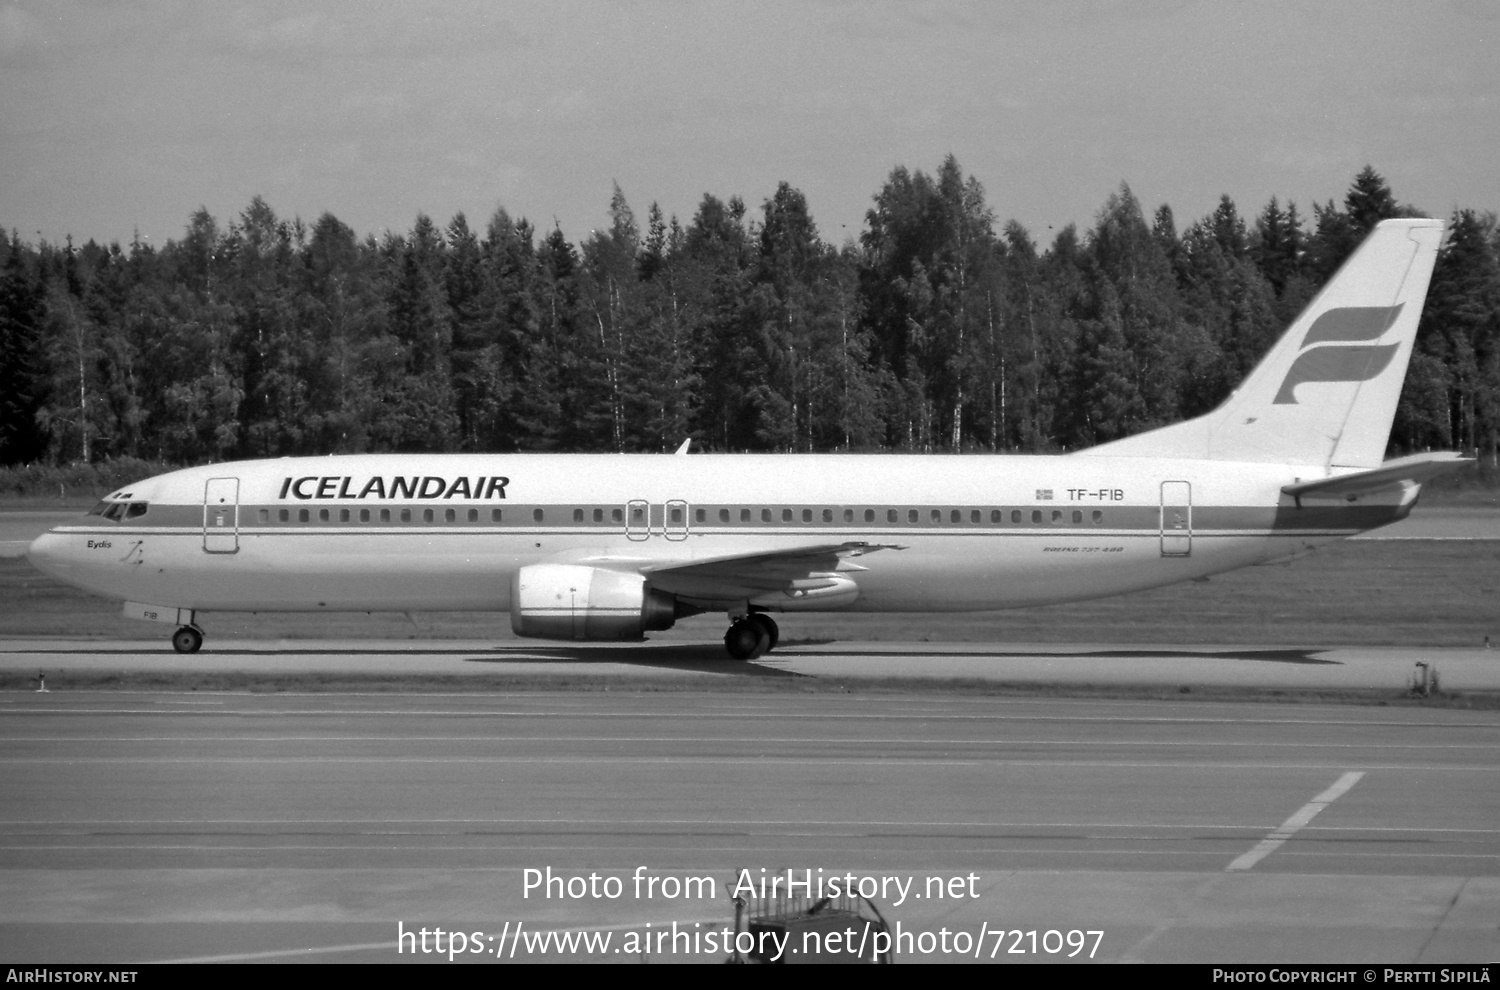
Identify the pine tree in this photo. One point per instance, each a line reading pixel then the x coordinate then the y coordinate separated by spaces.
pixel 21 374
pixel 1459 334
pixel 1277 246
pixel 715 278
pixel 1369 201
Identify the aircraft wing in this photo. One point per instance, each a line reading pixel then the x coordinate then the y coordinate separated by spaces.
pixel 1403 470
pixel 797 572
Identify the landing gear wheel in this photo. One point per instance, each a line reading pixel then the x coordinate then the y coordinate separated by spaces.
pixel 746 640
pixel 187 640
pixel 766 624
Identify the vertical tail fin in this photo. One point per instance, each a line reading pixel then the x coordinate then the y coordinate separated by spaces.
pixel 1326 392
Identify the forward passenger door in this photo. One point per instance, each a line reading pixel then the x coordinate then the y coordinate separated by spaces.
pixel 221 515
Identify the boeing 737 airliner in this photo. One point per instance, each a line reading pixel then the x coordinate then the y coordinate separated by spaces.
pixel 607 547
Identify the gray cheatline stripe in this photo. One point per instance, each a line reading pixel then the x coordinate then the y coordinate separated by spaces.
pixel 1147 531
pixel 1292 825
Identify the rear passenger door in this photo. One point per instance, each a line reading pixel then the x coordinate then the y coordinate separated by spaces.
pixel 1176 519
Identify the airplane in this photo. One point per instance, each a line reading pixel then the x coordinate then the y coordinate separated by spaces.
pixel 613 546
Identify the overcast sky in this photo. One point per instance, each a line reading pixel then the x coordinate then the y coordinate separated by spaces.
pixel 119 116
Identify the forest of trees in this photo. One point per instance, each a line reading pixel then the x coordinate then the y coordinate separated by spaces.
pixel 938 330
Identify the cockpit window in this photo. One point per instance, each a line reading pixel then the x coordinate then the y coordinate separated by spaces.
pixel 119 511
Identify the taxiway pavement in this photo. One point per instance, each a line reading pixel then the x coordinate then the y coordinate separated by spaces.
pixel 155 826
pixel 1290 667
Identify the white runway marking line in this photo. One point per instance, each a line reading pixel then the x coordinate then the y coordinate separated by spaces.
pixel 1298 821
pixel 508 936
pixel 276 954
pixel 788 716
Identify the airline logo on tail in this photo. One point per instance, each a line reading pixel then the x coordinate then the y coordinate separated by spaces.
pixel 1340 361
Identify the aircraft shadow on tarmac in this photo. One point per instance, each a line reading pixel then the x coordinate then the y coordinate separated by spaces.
pixel 703 658
pixel 698 657
pixel 1268 655
pixel 710 658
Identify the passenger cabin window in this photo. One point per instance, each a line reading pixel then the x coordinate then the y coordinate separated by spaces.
pixel 538 514
pixel 869 515
pixel 578 515
pixel 676 515
pixel 364 515
pixel 1098 516
pixel 744 515
pixel 406 515
pixel 616 515
pixel 1056 516
pixel 322 515
pixel 765 515
pixel 474 515
pixel 891 516
pixel 807 515
pixel 1077 515
pixel 343 515
pixel 723 515
pixel 911 515
pixel 451 515
pixel 265 515
pixel 1015 515
pixel 385 515
pixel 1036 515
pixel 598 515
pixel 427 515
pixel 937 515
pixel 284 515
pixel 303 515
pixel 700 515
pixel 848 515
pixel 996 516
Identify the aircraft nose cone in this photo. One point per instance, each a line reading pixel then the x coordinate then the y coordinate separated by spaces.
pixel 45 554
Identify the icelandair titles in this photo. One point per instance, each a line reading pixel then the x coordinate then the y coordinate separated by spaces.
pixel 431 486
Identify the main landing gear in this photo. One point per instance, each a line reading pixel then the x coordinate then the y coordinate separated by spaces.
pixel 751 636
pixel 188 639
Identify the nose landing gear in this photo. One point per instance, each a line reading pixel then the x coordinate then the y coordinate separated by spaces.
pixel 751 636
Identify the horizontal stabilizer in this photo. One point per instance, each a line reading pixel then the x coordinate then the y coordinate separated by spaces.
pixel 1403 470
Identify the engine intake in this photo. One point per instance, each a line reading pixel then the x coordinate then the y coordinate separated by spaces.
pixel 573 601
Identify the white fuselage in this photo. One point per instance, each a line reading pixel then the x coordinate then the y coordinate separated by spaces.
pixel 448 532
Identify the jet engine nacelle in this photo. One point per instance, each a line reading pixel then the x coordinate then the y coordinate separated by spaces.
pixel 573 601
